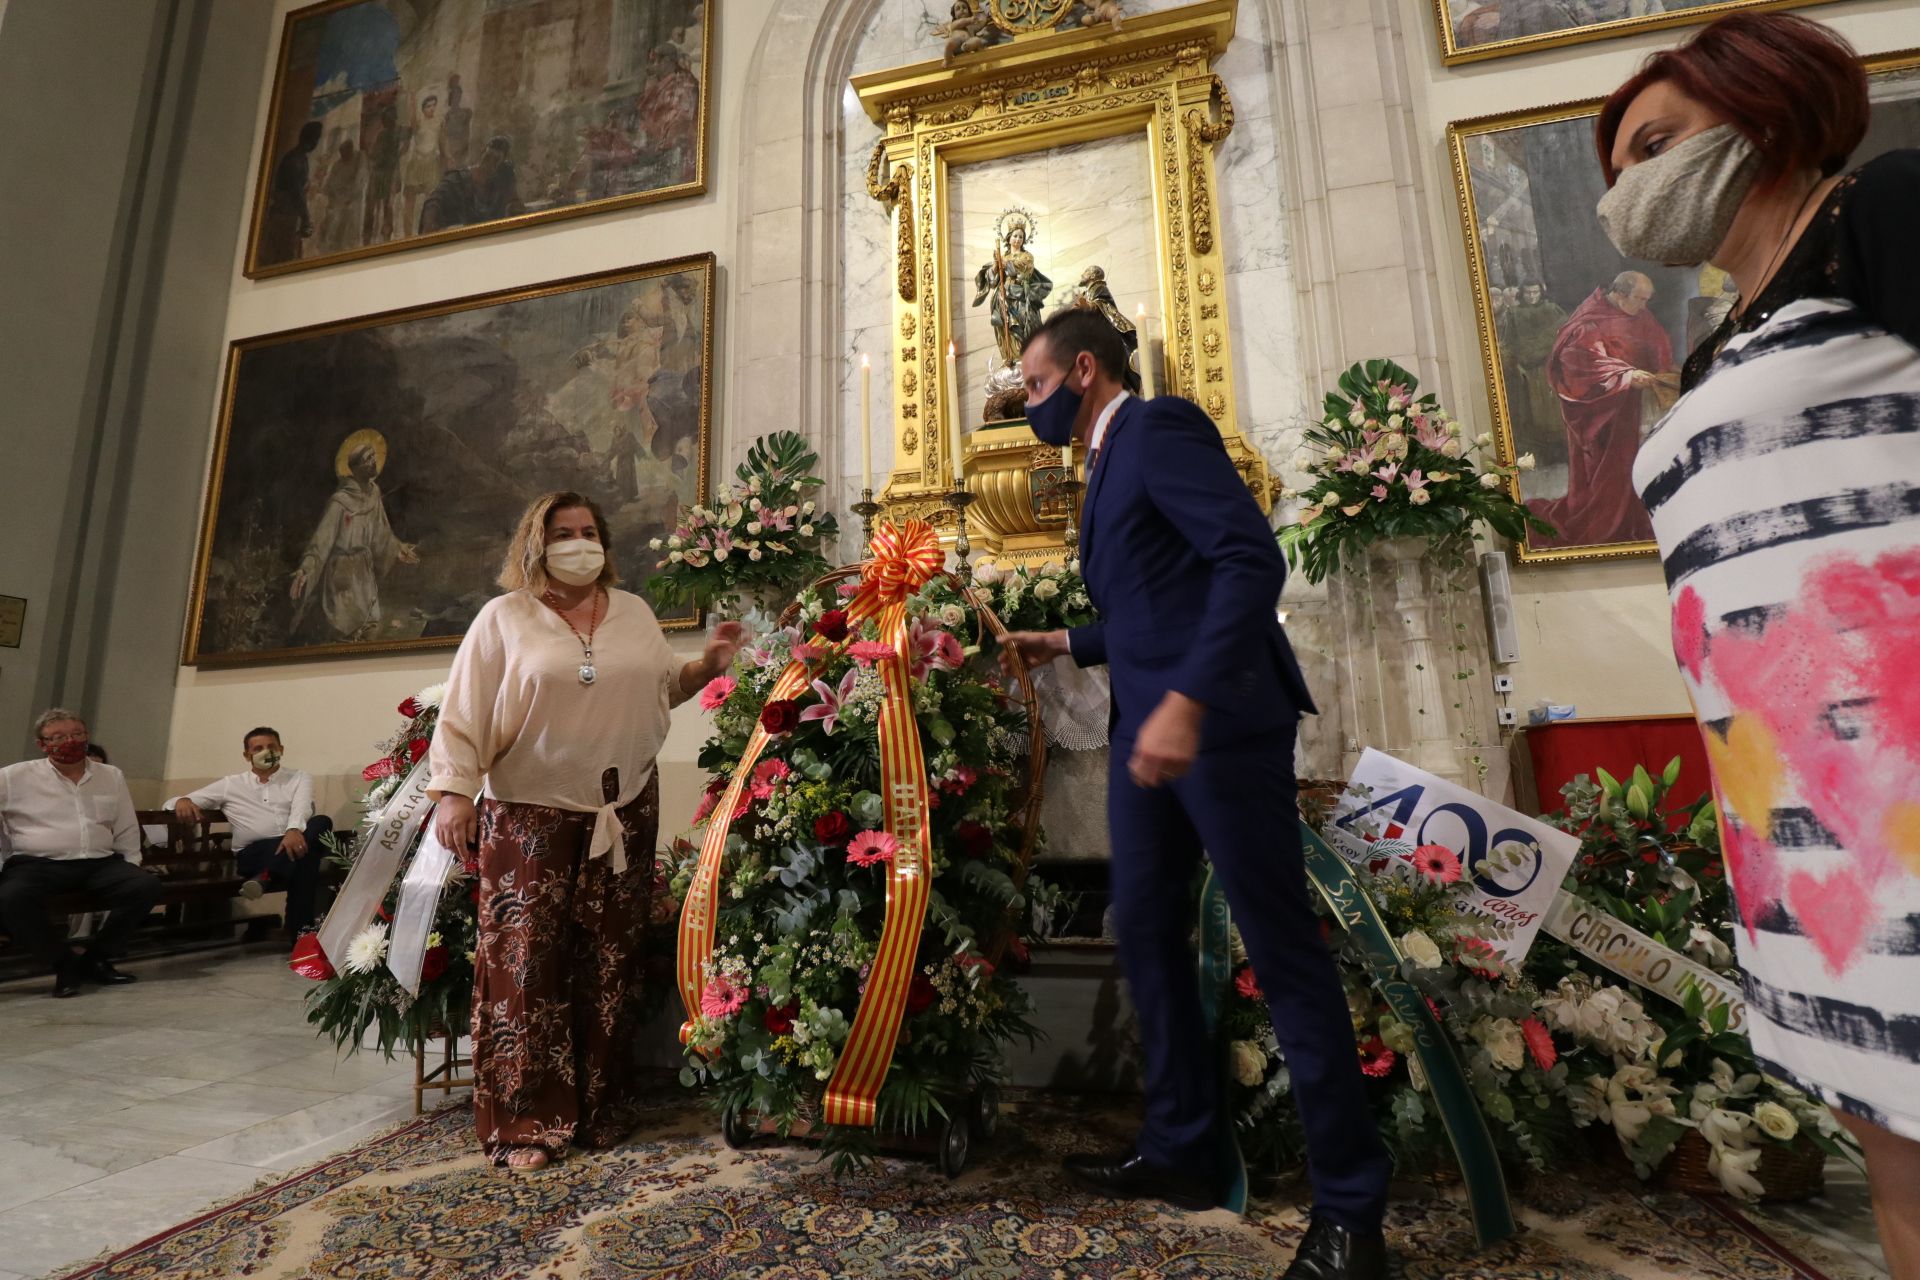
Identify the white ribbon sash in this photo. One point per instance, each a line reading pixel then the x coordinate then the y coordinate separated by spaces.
pixel 388 836
pixel 1607 940
pixel 419 903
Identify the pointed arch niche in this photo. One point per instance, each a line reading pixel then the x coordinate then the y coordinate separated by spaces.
pixel 1328 258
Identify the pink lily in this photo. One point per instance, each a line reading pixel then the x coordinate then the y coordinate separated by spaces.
pixel 1379 493
pixel 1388 473
pixel 832 701
pixel 775 520
pixel 1415 481
pixel 933 649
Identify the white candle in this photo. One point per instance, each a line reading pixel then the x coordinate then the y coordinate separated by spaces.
pixel 1066 459
pixel 1146 350
pixel 953 395
pixel 866 421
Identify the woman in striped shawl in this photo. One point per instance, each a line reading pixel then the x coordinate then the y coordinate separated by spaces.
pixel 1785 494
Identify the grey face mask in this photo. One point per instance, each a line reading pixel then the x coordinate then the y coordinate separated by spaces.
pixel 1677 208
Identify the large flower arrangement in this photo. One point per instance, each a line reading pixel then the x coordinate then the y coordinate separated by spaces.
pixel 1035 598
pixel 757 539
pixel 803 891
pixel 1385 462
pixel 1655 1071
pixel 363 995
pixel 1484 1003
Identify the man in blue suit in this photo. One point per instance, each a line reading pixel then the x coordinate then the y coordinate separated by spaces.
pixel 1185 575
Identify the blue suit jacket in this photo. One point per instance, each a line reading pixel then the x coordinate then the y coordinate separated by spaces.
pixel 1185 574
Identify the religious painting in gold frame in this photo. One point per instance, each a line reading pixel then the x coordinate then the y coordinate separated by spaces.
pixel 400 123
pixel 1545 278
pixel 1474 30
pixel 1038 93
pixel 367 474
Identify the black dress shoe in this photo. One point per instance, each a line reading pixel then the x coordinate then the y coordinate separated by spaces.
pixel 1129 1177
pixel 66 982
pixel 103 972
pixel 1331 1252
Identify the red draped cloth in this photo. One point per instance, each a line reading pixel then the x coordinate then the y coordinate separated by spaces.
pixel 1591 367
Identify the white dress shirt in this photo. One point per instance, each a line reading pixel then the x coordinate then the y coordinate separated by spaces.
pixel 46 816
pixel 259 810
pixel 1098 436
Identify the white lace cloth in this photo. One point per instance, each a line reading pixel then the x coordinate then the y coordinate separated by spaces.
pixel 1073 704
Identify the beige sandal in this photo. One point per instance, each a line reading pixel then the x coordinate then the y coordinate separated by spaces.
pixel 527 1159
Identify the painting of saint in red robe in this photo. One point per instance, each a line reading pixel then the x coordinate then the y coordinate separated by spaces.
pixel 1614 372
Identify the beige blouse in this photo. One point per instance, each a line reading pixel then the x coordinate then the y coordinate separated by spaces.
pixel 516 716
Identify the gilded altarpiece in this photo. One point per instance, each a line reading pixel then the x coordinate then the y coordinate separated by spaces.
pixel 1151 81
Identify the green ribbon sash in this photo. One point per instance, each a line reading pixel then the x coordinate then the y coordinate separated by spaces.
pixel 1332 877
pixel 1216 971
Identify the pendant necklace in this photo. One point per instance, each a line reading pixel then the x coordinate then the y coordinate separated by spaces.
pixel 587 673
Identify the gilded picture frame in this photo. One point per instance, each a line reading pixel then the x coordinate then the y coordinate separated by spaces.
pixel 367 473
pixel 1526 183
pixel 473 117
pixel 1473 35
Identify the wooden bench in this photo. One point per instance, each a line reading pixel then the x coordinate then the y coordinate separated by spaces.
pixel 195 865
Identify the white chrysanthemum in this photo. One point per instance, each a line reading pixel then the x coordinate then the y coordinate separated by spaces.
pixel 435 940
pixel 431 695
pixel 367 950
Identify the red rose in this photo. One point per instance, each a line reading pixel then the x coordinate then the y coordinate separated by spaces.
pixel 975 840
pixel 417 748
pixel 433 963
pixel 308 960
pixel 920 995
pixel 1649 857
pixel 1018 957
pixel 780 716
pixel 832 626
pixel 780 1021
pixel 410 708
pixel 832 827
pixel 381 768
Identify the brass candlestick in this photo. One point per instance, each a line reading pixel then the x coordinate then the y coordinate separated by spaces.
pixel 959 500
pixel 866 509
pixel 1071 487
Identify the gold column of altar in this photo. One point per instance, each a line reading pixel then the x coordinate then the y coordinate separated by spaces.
pixel 1040 90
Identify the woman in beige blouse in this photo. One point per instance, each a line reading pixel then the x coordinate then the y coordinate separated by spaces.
pixel 555 709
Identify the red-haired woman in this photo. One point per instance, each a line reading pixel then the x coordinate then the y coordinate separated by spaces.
pixel 1785 494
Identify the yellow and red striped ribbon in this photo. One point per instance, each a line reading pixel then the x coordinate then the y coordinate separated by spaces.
pixel 904 559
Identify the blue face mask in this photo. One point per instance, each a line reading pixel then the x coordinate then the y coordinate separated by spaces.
pixel 1052 419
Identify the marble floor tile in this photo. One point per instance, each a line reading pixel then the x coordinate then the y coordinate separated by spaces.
pixel 12 1275
pixel 31 1039
pixel 301 1137
pixel 116 1211
pixel 29 1171
pixel 82 1097
pixel 324 1069
pixel 244 1056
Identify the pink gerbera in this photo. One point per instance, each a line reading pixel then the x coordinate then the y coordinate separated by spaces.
pixel 716 692
pixel 808 652
pixel 721 999
pixel 847 590
pixel 1539 1043
pixel 1246 984
pixel 868 652
pixel 1376 1059
pixel 766 775
pixel 870 847
pixel 1437 863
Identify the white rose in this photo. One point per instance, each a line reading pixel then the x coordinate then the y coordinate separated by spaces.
pixel 1488 480
pixel 674 542
pixel 1420 949
pixel 677 556
pixel 1524 462
pixel 720 553
pixel 754 505
pixel 1045 589
pixel 1396 422
pixel 1455 429
pixel 1052 569
pixel 656 544
pixel 806 531
pixel 754 526
pixel 1419 497
pixel 807 509
pixel 1503 1040
pixel 754 554
pixel 1776 1121
pixel 1451 448
pixel 1358 416
pixel 989 574
pixel 1484 438
pixel 1249 1063
pixel 953 615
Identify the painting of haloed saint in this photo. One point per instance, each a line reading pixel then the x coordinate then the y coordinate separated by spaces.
pixel 396 123
pixel 1582 346
pixel 367 475
pixel 1474 29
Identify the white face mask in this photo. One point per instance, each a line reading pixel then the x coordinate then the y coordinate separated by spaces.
pixel 1677 208
pixel 576 561
pixel 266 759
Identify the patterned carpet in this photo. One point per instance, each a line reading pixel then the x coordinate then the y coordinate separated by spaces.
pixel 675 1204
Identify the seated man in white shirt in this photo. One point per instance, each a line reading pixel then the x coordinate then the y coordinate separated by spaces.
pixel 67 826
pixel 276 833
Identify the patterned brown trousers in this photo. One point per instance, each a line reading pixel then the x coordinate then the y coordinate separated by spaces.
pixel 557 974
